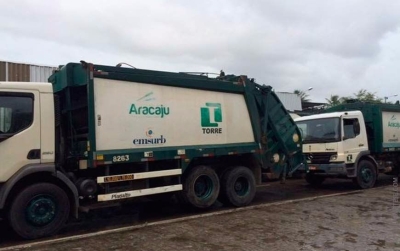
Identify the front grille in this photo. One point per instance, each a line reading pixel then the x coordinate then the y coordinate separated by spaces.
pixel 320 158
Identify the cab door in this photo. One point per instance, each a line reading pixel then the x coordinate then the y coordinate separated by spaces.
pixel 19 131
pixel 354 137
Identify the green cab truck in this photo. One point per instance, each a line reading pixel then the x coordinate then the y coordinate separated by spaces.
pixel 353 140
pixel 99 134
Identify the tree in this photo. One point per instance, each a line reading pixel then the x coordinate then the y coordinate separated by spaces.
pixel 362 95
pixel 334 100
pixel 366 96
pixel 303 96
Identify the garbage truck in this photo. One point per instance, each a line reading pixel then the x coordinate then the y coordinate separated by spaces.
pixel 355 140
pixel 96 135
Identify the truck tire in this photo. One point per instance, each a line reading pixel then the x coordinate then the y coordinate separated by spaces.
pixel 366 175
pixel 39 210
pixel 314 180
pixel 201 187
pixel 238 186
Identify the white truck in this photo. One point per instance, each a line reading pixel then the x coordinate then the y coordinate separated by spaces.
pixel 353 140
pixel 101 134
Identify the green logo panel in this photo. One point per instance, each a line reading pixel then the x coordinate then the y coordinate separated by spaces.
pixel 206 119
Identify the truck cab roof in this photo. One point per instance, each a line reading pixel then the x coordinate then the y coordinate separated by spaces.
pixel 38 86
pixel 328 115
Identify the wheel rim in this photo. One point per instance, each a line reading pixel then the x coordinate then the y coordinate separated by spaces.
pixel 41 210
pixel 366 175
pixel 203 187
pixel 241 186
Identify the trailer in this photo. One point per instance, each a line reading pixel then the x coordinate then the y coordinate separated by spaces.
pixel 353 140
pixel 100 134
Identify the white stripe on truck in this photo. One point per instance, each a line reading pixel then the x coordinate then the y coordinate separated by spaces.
pixel 138 176
pixel 137 193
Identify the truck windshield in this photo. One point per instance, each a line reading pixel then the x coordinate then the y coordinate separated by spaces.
pixel 320 130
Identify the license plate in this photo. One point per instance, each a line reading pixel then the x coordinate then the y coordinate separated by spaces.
pixel 118 178
pixel 312 168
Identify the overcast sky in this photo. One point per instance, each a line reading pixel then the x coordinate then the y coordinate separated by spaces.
pixel 336 47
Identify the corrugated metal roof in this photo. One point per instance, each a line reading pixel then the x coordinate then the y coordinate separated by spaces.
pixel 40 73
pixel 18 72
pixel 3 75
pixel 21 72
pixel 291 101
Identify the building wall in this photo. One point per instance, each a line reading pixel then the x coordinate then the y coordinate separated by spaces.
pixel 40 73
pixel 291 101
pixel 20 72
pixel 3 71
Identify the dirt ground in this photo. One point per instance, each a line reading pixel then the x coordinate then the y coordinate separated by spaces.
pixel 363 221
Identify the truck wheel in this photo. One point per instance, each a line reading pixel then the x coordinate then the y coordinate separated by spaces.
pixel 366 175
pixel 201 187
pixel 39 210
pixel 314 180
pixel 238 186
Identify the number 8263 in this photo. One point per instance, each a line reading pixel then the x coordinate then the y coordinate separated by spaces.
pixel 121 158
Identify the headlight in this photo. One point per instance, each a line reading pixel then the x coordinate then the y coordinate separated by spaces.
pixel 275 157
pixel 333 157
pixel 295 137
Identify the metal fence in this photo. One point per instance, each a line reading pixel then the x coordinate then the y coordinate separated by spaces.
pixel 21 72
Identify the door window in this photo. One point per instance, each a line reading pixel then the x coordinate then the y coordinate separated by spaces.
pixel 351 128
pixel 16 112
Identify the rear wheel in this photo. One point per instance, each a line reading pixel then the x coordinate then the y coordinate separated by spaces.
pixel 39 210
pixel 366 175
pixel 314 180
pixel 238 186
pixel 201 187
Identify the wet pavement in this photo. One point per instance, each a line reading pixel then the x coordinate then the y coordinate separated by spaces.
pixel 367 220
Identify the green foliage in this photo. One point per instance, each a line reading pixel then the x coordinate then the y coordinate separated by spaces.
pixel 362 95
pixel 365 96
pixel 303 96
pixel 333 100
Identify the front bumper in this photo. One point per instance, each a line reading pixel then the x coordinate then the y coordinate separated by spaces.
pixel 331 170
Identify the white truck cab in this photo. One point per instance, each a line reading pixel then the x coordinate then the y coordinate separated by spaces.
pixel 333 144
pixel 26 126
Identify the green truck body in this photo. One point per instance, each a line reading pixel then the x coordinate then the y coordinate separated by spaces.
pixel 383 132
pixel 102 133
